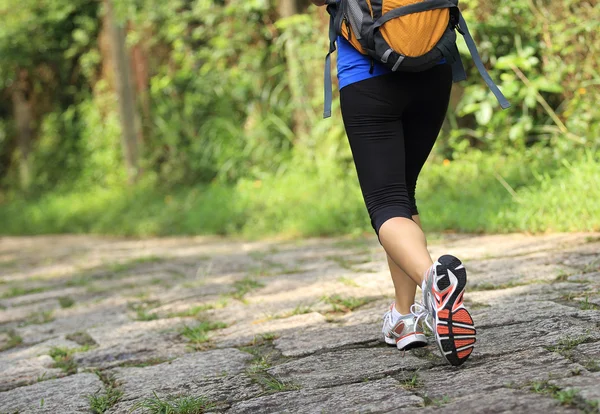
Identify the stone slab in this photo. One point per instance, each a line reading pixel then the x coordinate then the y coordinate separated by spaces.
pixel 237 335
pixel 24 366
pixel 500 401
pixel 347 366
pixel 587 386
pixel 369 397
pixel 519 311
pixel 309 341
pixel 65 395
pixel 213 374
pixel 507 339
pixel 515 370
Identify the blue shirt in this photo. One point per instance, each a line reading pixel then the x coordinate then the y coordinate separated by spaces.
pixel 353 66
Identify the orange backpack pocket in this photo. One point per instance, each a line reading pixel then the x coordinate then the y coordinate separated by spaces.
pixel 414 34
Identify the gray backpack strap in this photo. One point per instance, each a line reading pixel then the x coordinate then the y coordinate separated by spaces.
pixel 327 78
pixel 458 70
pixel 450 52
pixel 464 30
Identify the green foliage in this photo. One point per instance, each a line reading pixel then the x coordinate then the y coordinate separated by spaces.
pixel 544 57
pixel 466 195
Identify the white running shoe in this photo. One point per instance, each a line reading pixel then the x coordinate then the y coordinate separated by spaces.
pixel 450 321
pixel 405 334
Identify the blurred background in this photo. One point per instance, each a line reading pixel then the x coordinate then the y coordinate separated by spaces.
pixel 144 117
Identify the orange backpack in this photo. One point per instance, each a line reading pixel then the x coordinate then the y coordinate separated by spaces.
pixel 404 35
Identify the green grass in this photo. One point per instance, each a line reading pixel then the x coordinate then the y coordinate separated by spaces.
pixel 492 286
pixel 533 191
pixel 438 402
pixel 413 382
pixel 568 397
pixel 345 304
pixel 195 310
pixel 63 359
pixel 81 338
pixel 298 310
pixel 142 310
pixel 587 305
pixel 567 344
pixel 133 263
pixel 146 363
pixel 100 402
pixel 15 291
pixel 14 340
pixel 347 281
pixel 39 318
pixel 66 302
pixel 198 335
pixel 245 286
pixel 174 405
pixel 261 349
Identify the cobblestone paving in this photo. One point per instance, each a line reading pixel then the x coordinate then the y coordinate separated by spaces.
pixel 91 324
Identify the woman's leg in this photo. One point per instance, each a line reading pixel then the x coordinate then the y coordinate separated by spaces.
pixel 404 286
pixel 403 239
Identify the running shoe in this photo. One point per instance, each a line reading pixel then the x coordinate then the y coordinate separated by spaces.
pixel 450 321
pixel 405 334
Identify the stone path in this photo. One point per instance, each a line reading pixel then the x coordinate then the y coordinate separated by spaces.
pixel 111 325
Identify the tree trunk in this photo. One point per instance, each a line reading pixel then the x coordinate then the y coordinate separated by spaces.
pixel 288 8
pixel 24 121
pixel 125 92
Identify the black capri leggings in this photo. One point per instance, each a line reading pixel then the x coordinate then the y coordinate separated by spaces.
pixel 392 122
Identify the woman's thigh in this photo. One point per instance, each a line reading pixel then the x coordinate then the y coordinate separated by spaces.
pixel 372 111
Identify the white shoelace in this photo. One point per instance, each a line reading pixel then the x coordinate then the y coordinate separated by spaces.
pixel 419 311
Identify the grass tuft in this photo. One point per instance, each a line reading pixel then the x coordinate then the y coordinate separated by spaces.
pixel 193 311
pixel 244 286
pixel 100 402
pixel 20 291
pixel 142 310
pixel 174 405
pixel 437 402
pixel 345 305
pixel 63 359
pixel 413 382
pixel 39 318
pixel 81 338
pixel 566 345
pixel 568 397
pixel 133 263
pixel 14 340
pixel 492 286
pixel 347 281
pixel 587 305
pixel 65 302
pixel 198 335
pixel 298 310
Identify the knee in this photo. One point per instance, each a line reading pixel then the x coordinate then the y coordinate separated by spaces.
pixel 390 202
pixel 381 216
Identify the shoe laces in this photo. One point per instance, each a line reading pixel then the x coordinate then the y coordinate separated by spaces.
pixel 419 311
